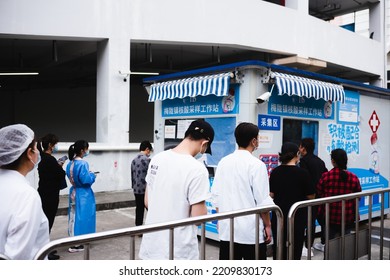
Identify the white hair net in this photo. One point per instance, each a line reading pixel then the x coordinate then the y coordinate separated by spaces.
pixel 14 140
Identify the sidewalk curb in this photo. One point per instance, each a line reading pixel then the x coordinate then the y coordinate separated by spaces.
pixel 104 201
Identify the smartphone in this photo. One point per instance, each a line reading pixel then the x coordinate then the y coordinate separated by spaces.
pixel 62 159
pixel 96 172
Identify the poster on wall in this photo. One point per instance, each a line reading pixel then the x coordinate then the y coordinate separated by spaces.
pixel 346 135
pixel 343 136
pixel 224 141
pixel 348 112
pixel 271 161
pixel 223 144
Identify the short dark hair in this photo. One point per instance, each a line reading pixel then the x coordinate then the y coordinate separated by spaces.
pixel 200 129
pixel 145 145
pixel 244 133
pixel 308 144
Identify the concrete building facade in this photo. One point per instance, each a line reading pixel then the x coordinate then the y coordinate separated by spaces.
pixel 106 105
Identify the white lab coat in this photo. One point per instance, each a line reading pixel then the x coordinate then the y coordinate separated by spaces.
pixel 24 228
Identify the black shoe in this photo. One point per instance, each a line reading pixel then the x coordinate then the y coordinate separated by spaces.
pixel 52 256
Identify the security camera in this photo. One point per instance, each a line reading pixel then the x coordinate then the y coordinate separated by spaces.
pixel 263 97
pixel 124 73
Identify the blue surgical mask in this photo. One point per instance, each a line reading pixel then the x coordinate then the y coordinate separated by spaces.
pixel 55 148
pixel 86 154
pixel 198 156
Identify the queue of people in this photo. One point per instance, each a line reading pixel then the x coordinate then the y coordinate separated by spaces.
pixel 51 180
pixel 172 185
pixel 27 215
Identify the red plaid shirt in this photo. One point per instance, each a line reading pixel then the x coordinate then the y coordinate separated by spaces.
pixel 331 184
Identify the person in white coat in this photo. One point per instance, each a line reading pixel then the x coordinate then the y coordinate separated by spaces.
pixel 241 181
pixel 24 228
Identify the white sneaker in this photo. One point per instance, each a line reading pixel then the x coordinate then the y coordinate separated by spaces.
pixel 304 252
pixel 319 246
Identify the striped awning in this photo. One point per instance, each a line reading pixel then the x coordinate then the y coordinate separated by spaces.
pixel 304 87
pixel 191 87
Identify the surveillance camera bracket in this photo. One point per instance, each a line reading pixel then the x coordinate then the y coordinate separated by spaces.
pixel 265 75
pixel 239 76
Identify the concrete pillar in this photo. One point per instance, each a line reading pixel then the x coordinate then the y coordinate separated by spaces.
pixel 250 89
pixel 377 32
pixel 112 112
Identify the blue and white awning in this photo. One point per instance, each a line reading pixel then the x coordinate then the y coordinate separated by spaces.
pixel 191 87
pixel 295 85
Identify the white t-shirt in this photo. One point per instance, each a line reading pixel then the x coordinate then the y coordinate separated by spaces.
pixel 174 183
pixel 24 228
pixel 241 181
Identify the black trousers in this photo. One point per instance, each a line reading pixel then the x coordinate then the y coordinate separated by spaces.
pixel 50 203
pixel 242 251
pixel 313 228
pixel 139 209
pixel 299 236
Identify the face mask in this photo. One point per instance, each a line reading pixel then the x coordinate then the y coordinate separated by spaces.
pixel 38 160
pixel 86 154
pixel 55 149
pixel 198 156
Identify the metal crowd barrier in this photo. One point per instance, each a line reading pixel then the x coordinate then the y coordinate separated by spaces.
pixel 3 257
pixel 358 231
pixel 133 232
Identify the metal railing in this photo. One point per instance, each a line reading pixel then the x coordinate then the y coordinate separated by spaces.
pixel 3 257
pixel 133 232
pixel 343 198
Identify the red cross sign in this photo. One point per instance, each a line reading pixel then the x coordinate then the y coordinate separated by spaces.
pixel 374 122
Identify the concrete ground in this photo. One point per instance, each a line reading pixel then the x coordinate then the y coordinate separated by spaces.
pixel 113 249
pixel 115 211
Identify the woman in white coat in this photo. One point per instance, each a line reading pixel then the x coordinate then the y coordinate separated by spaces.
pixel 24 228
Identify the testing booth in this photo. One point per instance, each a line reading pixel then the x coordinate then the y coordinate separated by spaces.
pixel 287 104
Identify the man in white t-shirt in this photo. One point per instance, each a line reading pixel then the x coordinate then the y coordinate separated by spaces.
pixel 241 181
pixel 177 187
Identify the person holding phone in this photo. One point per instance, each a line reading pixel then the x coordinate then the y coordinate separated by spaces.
pixel 51 180
pixel 82 205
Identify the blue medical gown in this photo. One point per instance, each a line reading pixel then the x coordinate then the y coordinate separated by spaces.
pixel 85 205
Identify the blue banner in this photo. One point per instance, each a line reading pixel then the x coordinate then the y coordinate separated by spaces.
pixel 268 122
pixel 295 106
pixel 369 181
pixel 203 105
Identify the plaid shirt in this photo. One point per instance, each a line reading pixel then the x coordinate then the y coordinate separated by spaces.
pixel 331 184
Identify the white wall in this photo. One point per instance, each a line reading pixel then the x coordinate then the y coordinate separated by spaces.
pixel 250 23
